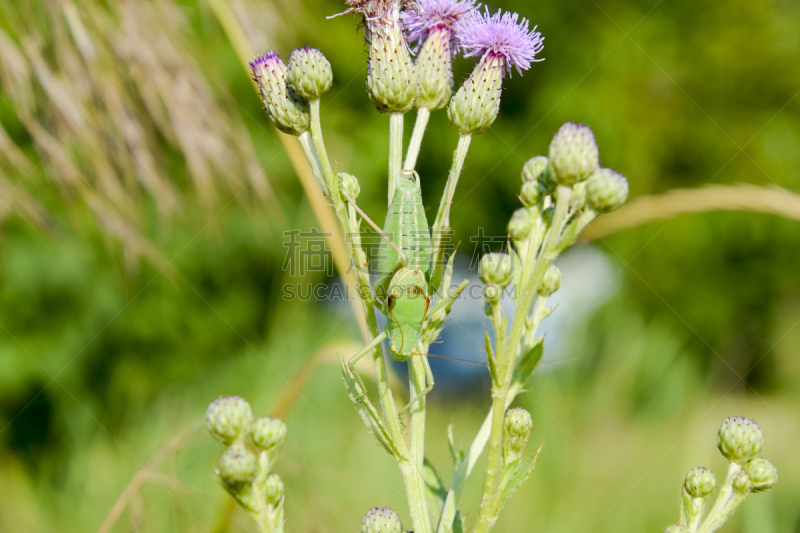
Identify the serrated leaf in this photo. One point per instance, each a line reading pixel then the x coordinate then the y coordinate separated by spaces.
pixel 367 411
pixel 434 483
pixel 458 523
pixel 523 472
pixel 529 361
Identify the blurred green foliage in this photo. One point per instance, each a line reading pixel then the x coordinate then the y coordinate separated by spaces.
pixel 100 366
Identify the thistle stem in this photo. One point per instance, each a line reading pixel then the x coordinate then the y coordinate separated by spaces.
pixel 313 158
pixel 423 114
pixel 395 150
pixel 506 358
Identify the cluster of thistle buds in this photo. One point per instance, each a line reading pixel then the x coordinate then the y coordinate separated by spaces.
pixel 571 170
pixel 740 441
pixel 245 468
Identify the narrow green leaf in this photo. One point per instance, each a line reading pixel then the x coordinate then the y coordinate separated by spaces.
pixel 528 362
pixel 490 356
pixel 367 411
pixel 523 472
pixel 434 483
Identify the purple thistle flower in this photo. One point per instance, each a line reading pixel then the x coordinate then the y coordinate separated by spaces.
pixel 502 35
pixel 263 60
pixel 430 15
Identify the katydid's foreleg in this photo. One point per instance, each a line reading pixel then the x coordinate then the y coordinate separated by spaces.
pixel 352 362
pixel 428 378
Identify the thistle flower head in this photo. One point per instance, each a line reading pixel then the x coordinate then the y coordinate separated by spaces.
pixel 237 466
pixel 228 418
pixel 287 110
pixel 381 520
pixel 503 35
pixel 740 439
pixel 268 433
pixel 763 474
pixel 700 482
pixel 429 15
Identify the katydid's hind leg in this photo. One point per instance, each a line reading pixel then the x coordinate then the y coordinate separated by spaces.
pixel 428 378
pixel 351 364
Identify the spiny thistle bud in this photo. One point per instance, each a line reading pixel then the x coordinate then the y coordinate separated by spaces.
pixel 503 42
pixel 268 433
pixel 491 294
pixel 287 110
pixel 538 169
pixel 477 103
pixel 573 154
pixel 350 185
pixel 700 482
pixel 237 466
pixel 520 225
pixel 391 79
pixel 518 424
pixel 739 439
pixel 434 25
pixel 435 72
pixel 763 474
pixel 741 482
pixel 228 418
pixel 676 528
pixel 310 73
pixel 273 489
pixel 532 193
pixel 496 268
pixel 606 190
pixel 551 281
pixel 381 520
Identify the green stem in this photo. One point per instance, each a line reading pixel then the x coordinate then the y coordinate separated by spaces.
pixel 528 291
pixel 416 385
pixel 726 502
pixel 423 114
pixel 442 223
pixel 313 158
pixel 395 150
pixel 412 478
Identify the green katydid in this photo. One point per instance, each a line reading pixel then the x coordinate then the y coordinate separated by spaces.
pixel 404 288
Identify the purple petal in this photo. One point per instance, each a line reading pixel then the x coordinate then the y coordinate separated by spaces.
pixel 430 15
pixel 502 34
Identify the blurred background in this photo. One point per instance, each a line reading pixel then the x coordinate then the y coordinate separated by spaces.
pixel 144 198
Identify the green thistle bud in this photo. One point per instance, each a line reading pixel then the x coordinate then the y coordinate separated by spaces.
pixel 538 169
pixel 228 418
pixel 381 520
pixel 606 190
pixel 477 102
pixel 237 466
pixel 435 71
pixel 492 294
pixel 700 482
pixel 350 185
pixel 268 433
pixel 496 268
pixel 676 528
pixel 763 474
pixel 287 110
pixel 547 215
pixel 551 281
pixel 741 482
pixel 273 489
pixel 573 154
pixel 518 424
pixel 310 73
pixel 391 80
pixel 739 439
pixel 520 225
pixel 532 193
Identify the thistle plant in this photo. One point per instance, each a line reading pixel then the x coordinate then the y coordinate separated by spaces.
pixel 245 468
pixel 739 440
pixel 560 194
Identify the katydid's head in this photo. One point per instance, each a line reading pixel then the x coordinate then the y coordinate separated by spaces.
pixel 407 181
pixel 407 306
